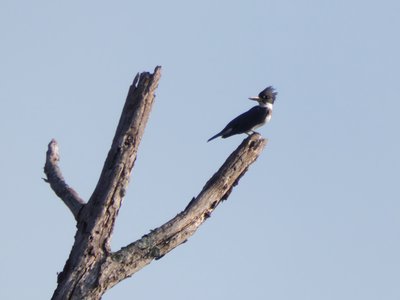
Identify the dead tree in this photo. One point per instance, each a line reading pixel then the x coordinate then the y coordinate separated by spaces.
pixel 92 268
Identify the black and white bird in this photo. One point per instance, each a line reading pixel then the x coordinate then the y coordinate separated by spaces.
pixel 253 118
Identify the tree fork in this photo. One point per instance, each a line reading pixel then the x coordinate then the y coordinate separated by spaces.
pixel 92 268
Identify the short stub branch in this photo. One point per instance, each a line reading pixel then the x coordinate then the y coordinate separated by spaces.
pixel 56 180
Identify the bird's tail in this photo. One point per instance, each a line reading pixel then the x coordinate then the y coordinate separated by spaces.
pixel 214 137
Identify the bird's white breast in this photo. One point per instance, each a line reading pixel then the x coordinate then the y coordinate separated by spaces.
pixel 269 116
pixel 270 106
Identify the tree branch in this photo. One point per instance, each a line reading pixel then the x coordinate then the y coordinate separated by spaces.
pixel 54 177
pixel 103 206
pixel 97 218
pixel 130 259
pixel 92 268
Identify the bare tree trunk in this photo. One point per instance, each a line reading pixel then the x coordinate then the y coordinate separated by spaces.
pixel 92 268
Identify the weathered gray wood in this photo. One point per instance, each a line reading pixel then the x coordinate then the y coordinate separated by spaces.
pixel 92 268
pixel 54 177
pixel 130 259
pixel 96 219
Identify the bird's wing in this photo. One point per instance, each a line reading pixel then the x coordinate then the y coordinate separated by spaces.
pixel 247 121
pixel 243 123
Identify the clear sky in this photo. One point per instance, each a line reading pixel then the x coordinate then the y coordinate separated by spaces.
pixel 316 217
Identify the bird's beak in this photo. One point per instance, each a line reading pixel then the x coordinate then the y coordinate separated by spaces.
pixel 254 98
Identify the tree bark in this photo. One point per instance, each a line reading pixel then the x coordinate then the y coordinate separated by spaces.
pixel 92 268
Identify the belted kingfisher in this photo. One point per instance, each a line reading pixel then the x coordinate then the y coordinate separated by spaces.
pixel 253 118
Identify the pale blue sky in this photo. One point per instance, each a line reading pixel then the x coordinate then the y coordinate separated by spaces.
pixel 316 217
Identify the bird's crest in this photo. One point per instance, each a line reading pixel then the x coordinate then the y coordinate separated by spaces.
pixel 268 94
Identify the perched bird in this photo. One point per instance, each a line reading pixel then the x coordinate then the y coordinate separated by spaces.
pixel 253 118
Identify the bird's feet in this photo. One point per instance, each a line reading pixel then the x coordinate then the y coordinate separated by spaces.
pixel 249 133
